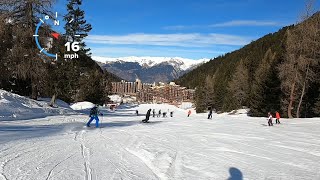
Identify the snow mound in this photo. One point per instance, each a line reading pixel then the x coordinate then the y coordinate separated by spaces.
pixel 16 107
pixel 186 105
pixel 59 102
pixel 82 105
pixel 239 112
pixel 115 98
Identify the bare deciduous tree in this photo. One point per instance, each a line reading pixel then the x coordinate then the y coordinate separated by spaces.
pixel 297 71
pixel 23 15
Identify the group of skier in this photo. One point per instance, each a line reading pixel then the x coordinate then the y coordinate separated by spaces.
pixel 270 117
pixel 94 112
pixel 164 114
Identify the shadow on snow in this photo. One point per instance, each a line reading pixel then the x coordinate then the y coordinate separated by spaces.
pixel 16 132
pixel 115 124
pixel 235 174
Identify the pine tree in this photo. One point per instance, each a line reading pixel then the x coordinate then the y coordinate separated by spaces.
pixel 70 75
pixel 316 108
pixel 5 46
pixel 265 94
pixel 199 99
pixel 239 85
pixel 92 88
pixel 77 25
pixel 209 91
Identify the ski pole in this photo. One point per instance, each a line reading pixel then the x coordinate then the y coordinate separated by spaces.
pixel 101 121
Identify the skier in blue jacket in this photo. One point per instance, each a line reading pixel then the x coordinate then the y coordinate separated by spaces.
pixel 94 116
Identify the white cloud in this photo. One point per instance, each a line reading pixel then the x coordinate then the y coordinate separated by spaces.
pixel 182 40
pixel 182 27
pixel 166 52
pixel 246 23
pixel 227 24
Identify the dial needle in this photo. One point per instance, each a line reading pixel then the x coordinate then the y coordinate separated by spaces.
pixel 55 35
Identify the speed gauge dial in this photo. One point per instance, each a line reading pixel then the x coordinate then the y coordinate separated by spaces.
pixel 74 46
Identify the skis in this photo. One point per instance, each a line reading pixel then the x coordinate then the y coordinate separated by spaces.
pixel 145 121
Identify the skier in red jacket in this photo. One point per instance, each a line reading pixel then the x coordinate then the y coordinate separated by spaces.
pixel 277 117
pixel 189 112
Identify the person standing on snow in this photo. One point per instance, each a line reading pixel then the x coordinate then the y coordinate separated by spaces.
pixel 164 114
pixel 270 119
pixel 277 117
pixel 153 113
pixel 159 114
pixel 147 116
pixel 94 116
pixel 189 112
pixel 210 113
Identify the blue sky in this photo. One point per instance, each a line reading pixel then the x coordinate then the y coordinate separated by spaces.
pixel 185 28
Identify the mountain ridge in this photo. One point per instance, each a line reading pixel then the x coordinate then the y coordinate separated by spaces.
pixel 148 69
pixel 152 60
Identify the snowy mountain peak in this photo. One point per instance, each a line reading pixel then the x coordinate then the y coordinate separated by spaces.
pixel 147 61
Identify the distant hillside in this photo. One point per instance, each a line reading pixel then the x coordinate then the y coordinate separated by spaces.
pixel 226 64
pixel 250 76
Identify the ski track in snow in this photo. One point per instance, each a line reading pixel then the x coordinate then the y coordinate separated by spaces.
pixel 51 171
pixel 85 152
pixel 166 148
pixel 123 151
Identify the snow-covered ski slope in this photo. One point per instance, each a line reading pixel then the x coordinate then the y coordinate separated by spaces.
pixel 226 147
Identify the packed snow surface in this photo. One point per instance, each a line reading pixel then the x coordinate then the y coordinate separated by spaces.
pixel 227 147
pixel 13 107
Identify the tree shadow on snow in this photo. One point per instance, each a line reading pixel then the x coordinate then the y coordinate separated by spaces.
pixel 113 114
pixel 35 115
pixel 127 106
pixel 17 132
pixel 125 110
pixel 116 124
pixel 123 115
pixel 113 124
pixel 235 174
